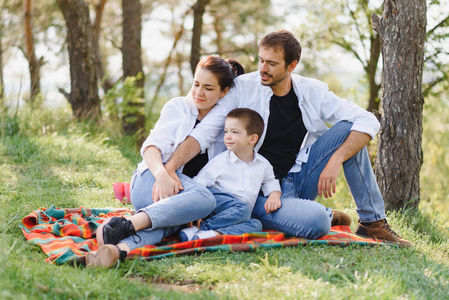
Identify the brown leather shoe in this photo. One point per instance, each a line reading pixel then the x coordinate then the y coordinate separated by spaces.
pixel 340 218
pixel 381 230
pixel 107 256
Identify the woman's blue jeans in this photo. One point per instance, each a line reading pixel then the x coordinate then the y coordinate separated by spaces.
pixel 168 215
pixel 307 218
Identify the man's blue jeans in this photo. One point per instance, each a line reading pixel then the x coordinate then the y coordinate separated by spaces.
pixel 168 215
pixel 306 218
pixel 230 216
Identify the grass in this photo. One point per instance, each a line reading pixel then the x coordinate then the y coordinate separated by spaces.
pixel 68 165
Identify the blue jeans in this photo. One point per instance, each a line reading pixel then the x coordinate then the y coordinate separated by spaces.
pixel 310 219
pixel 230 216
pixel 168 215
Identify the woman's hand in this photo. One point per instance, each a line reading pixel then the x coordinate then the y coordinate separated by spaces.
pixel 164 187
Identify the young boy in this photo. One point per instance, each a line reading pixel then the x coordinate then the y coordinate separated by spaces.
pixel 235 177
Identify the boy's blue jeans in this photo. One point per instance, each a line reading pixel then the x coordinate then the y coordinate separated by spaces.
pixel 307 218
pixel 230 216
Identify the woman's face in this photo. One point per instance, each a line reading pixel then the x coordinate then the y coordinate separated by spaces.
pixel 206 91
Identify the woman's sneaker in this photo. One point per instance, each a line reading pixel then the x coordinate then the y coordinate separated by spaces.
pixel 381 230
pixel 113 230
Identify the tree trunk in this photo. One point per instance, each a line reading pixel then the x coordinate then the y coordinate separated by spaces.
pixel 134 119
pixel 198 11
pixel 83 72
pixel 33 63
pixel 374 88
pixel 106 83
pixel 402 31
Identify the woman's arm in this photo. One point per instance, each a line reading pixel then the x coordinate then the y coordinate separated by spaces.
pixel 164 186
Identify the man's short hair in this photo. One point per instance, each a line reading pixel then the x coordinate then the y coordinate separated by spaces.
pixel 251 119
pixel 285 41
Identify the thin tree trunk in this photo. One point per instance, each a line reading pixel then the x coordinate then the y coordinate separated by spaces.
pixel 402 30
pixel 34 64
pixel 374 88
pixel 219 39
pixel 106 83
pixel 198 11
pixel 83 97
pixel 134 120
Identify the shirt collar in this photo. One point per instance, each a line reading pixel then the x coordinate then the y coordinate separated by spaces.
pixel 234 158
pixel 192 106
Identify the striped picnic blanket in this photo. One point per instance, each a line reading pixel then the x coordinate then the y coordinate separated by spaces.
pixel 66 235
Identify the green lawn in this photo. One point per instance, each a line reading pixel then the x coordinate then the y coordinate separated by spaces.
pixel 68 167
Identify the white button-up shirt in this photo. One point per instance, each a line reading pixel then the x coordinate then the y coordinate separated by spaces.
pixel 318 106
pixel 233 176
pixel 177 119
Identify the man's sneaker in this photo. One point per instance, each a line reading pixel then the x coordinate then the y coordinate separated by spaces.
pixel 381 230
pixel 106 257
pixel 113 230
pixel 340 218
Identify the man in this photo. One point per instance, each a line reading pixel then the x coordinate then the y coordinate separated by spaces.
pixel 306 155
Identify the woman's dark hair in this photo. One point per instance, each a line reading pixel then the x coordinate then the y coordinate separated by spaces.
pixel 220 68
pixel 236 67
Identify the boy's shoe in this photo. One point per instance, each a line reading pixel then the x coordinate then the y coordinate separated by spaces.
pixel 382 231
pixel 204 234
pixel 187 234
pixel 107 256
pixel 340 218
pixel 113 230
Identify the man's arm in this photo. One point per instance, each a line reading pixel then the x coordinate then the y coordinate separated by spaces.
pixel 328 178
pixel 184 153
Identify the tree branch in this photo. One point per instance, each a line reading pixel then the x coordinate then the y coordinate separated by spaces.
pixel 431 31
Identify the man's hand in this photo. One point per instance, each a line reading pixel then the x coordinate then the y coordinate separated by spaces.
pixel 327 183
pixel 273 202
pixel 165 186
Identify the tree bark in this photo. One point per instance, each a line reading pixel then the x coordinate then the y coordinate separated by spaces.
pixel 106 83
pixel 33 63
pixel 402 31
pixel 198 11
pixel 134 120
pixel 371 70
pixel 83 97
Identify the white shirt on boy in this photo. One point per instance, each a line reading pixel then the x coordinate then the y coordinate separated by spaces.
pixel 233 176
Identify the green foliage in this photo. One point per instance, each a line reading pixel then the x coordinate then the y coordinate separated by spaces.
pixel 117 100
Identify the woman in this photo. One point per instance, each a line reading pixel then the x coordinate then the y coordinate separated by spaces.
pixel 164 216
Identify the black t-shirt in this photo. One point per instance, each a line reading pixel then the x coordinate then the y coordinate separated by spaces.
pixel 194 166
pixel 285 133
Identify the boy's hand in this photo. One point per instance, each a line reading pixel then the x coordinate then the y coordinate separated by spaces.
pixel 273 202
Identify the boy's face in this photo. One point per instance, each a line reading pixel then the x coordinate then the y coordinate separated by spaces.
pixel 236 137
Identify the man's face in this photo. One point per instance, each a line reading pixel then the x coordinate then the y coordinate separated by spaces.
pixel 272 66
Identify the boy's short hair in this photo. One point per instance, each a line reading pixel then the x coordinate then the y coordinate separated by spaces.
pixel 251 119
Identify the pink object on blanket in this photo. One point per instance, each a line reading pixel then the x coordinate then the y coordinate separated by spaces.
pixel 127 191
pixel 119 190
